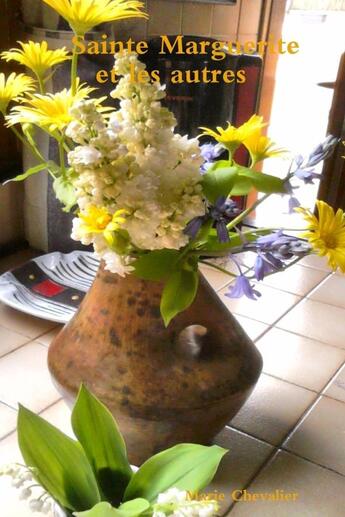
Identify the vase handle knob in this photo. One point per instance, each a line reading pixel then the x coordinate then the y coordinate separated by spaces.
pixel 190 340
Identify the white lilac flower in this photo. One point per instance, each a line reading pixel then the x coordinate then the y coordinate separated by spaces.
pixel 85 155
pixel 132 160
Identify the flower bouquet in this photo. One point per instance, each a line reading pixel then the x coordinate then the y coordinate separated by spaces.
pixel 152 202
pixel 91 476
pixel 151 338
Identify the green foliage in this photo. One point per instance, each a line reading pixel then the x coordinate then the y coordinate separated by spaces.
pixel 96 430
pixel 30 172
pixel 226 178
pixel 91 476
pixel 178 293
pixel 156 265
pixel 65 193
pixel 185 466
pixel 212 244
pixel 130 509
pixel 219 180
pixel 263 182
pixel 60 464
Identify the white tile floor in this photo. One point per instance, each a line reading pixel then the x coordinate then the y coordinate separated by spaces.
pixel 289 436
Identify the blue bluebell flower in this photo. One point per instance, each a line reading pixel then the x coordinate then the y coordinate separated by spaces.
pixel 266 263
pixel 210 153
pixel 307 175
pixel 223 211
pixel 194 226
pixel 292 204
pixel 241 287
pixel 322 151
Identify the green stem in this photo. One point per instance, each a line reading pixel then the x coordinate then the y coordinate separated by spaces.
pixel 219 268
pixel 246 212
pixel 74 70
pixel 41 84
pixel 34 151
pixel 258 202
pixel 62 157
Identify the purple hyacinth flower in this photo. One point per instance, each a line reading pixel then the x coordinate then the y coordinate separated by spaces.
pixel 293 203
pixel 261 268
pixel 265 264
pixel 211 152
pixel 268 240
pixel 242 287
pixel 307 176
pixel 194 226
pixel 222 231
pixel 322 151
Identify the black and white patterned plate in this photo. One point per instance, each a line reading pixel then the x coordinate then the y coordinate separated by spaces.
pixel 51 286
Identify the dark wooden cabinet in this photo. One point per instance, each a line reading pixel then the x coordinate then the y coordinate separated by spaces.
pixel 332 185
pixel 10 156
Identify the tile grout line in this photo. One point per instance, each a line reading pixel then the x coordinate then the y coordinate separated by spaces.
pixel 38 413
pixel 268 460
pixel 33 341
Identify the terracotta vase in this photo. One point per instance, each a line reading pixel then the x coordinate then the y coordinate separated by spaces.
pixel 183 383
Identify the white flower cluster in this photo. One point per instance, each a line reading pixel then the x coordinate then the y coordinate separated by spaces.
pixel 176 503
pixel 22 478
pixel 132 160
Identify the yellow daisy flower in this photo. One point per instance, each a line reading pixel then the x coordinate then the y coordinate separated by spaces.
pixel 12 88
pixel 51 111
pixel 36 56
pixel 261 147
pixel 231 137
pixel 83 15
pixel 94 220
pixel 326 233
pixel 98 220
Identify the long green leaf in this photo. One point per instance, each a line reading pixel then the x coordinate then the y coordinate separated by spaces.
pixel 264 182
pixel 96 430
pixel 185 466
pixel 178 293
pixel 60 463
pixel 28 173
pixel 129 509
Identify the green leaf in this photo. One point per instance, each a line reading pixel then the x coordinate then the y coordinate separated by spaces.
pixel 60 463
pixel 218 182
pixel 264 182
pixel 220 164
pixel 96 430
pixel 65 193
pixel 242 186
pixel 134 507
pixel 129 509
pixel 178 293
pixel 186 466
pixel 30 172
pixel 156 265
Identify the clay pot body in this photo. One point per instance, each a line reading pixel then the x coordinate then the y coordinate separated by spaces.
pixel 183 383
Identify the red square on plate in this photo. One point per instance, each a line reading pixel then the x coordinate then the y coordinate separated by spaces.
pixel 48 288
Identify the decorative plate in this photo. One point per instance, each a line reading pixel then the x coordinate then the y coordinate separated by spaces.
pixel 51 286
